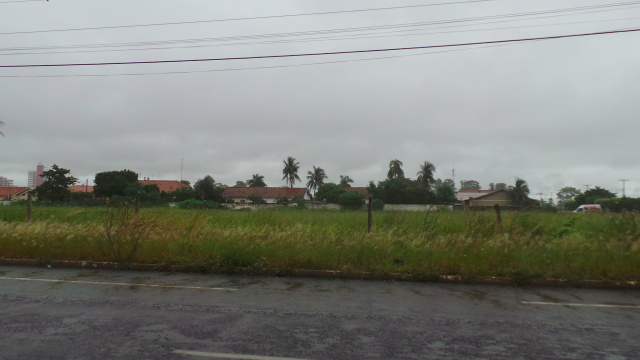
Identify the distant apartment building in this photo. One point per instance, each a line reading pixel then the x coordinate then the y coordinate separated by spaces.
pixel 5 182
pixel 35 177
pixel 32 179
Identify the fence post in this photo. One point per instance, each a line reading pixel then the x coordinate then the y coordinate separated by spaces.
pixel 29 208
pixel 137 207
pixel 370 214
pixel 497 207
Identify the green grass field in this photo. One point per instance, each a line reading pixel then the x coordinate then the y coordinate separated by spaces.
pixel 525 245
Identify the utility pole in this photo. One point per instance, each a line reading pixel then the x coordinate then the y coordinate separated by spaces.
pixel 623 182
pixel 587 186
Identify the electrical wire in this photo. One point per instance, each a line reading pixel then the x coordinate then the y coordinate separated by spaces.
pixel 321 53
pixel 312 33
pixel 318 39
pixel 244 18
pixel 325 13
pixel 256 67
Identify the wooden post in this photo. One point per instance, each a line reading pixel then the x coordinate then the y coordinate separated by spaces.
pixel 370 214
pixel 29 208
pixel 137 207
pixel 497 207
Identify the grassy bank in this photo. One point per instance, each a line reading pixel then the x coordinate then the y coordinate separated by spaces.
pixel 526 245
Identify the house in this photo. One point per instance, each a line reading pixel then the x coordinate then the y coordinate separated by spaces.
pixel 498 197
pixel 269 194
pixel 165 185
pixel 13 192
pixel 464 195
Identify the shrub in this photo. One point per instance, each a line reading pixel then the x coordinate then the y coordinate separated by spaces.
pixel 301 203
pixel 351 200
pixel 197 204
pixel 377 204
pixel 256 199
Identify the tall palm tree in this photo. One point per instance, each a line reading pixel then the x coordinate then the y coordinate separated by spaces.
pixel 256 180
pixel 316 180
pixel 290 171
pixel 425 175
pixel 395 169
pixel 345 180
pixel 520 192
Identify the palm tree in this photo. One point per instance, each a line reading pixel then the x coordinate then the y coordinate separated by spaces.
pixel 345 180
pixel 520 192
pixel 395 169
pixel 290 171
pixel 425 175
pixel 256 181
pixel 316 180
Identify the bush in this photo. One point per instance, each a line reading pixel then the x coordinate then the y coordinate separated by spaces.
pixel 377 204
pixel 197 204
pixel 301 203
pixel 256 199
pixel 351 200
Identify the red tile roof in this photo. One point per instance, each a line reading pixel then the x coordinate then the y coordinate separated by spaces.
pixel 264 192
pixel 81 188
pixel 362 190
pixel 165 185
pixel 15 190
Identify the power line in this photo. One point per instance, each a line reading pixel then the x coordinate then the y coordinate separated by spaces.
pixel 601 6
pixel 286 41
pixel 245 18
pixel 20 1
pixel 253 68
pixel 318 32
pixel 321 53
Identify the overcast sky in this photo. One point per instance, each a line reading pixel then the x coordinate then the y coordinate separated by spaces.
pixel 556 113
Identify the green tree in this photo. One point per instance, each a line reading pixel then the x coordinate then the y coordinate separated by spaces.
pixel 186 182
pixel 207 189
pixel 329 192
pixel 519 193
pixel 290 171
pixel 110 183
pixel 256 180
pixel 445 194
pixel 591 196
pixel 469 185
pixel 425 175
pixel 316 179
pixel 501 186
pixel 449 182
pixel 240 184
pixel 566 194
pixel 55 184
pixel 345 181
pixel 402 191
pixel 395 170
pixel 182 194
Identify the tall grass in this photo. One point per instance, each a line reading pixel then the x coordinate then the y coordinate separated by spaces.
pixel 525 245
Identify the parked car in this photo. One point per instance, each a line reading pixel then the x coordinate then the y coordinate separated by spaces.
pixel 588 208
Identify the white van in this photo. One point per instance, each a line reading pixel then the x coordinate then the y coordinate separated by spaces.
pixel 588 208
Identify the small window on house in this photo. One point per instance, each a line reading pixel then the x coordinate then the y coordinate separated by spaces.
pixel 243 201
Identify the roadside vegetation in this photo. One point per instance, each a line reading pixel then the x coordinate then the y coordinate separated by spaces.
pixel 420 244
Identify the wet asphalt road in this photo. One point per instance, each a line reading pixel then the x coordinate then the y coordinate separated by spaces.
pixel 103 314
